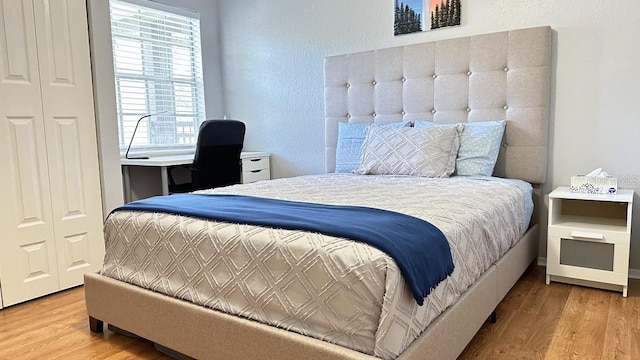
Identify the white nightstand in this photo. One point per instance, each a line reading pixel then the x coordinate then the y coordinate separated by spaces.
pixel 588 238
pixel 255 166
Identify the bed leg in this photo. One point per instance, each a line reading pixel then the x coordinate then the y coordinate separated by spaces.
pixel 493 318
pixel 95 325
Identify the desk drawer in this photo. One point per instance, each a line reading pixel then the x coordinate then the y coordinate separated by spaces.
pixel 256 163
pixel 255 175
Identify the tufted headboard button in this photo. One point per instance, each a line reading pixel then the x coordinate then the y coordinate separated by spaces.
pixel 506 107
pixel 506 69
pixel 434 76
pixel 433 111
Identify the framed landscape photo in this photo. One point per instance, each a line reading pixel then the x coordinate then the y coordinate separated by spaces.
pixel 444 13
pixel 420 15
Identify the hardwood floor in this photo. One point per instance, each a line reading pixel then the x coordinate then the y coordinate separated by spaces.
pixel 535 321
pixel 55 327
pixel 559 321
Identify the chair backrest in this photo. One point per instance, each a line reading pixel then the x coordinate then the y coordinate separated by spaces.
pixel 217 159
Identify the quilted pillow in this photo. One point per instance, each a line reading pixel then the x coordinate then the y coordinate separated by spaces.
pixel 426 152
pixel 479 146
pixel 350 138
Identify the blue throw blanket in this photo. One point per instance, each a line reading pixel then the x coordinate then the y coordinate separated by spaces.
pixel 419 248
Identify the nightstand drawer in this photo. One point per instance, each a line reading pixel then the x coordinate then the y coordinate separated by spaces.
pixel 588 234
pixel 588 260
pixel 256 163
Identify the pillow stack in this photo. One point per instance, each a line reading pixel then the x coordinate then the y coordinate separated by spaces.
pixel 427 149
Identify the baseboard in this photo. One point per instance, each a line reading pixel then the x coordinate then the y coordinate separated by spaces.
pixel 633 273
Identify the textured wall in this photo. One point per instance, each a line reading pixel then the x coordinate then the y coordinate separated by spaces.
pixel 273 56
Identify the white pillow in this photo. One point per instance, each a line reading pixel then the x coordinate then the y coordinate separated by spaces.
pixel 479 146
pixel 350 138
pixel 426 152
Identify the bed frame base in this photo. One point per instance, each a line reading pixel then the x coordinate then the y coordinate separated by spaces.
pixel 494 317
pixel 95 325
pixel 204 333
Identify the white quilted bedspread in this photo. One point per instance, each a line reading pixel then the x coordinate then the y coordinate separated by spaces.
pixel 334 289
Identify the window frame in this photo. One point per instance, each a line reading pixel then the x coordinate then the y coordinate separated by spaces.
pixel 157 103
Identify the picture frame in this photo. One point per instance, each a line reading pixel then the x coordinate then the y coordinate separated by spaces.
pixel 423 15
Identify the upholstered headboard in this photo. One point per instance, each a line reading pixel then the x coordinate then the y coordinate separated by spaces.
pixel 497 76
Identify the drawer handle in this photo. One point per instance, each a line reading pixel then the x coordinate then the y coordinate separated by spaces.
pixel 256 171
pixel 587 235
pixel 254 160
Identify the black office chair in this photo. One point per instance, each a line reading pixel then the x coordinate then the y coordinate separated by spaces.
pixel 217 159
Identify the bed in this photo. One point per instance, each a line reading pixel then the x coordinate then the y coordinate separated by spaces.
pixel 467 80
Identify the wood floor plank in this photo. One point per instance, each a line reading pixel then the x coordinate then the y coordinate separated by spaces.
pixel 590 336
pixel 563 345
pixel 617 341
pixel 535 321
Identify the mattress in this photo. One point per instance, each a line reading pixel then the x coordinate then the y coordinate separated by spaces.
pixel 334 289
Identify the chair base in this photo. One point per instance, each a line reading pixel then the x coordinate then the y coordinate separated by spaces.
pixel 181 188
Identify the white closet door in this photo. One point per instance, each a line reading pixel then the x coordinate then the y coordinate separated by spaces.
pixel 27 246
pixel 72 150
pixel 51 219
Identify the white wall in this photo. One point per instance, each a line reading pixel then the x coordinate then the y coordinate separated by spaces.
pixel 105 105
pixel 273 66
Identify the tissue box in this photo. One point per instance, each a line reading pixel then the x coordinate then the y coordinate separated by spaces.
pixel 594 184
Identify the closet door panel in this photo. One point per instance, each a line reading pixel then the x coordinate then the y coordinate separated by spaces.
pixel 76 231
pixel 67 98
pixel 28 251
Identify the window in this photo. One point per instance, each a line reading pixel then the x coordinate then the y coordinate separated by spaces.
pixel 158 70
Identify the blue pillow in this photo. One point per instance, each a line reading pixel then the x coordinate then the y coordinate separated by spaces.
pixel 479 146
pixel 350 139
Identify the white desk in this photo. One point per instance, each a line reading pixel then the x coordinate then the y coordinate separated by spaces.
pixel 164 162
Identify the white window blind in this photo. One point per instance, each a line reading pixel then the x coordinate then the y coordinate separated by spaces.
pixel 158 70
